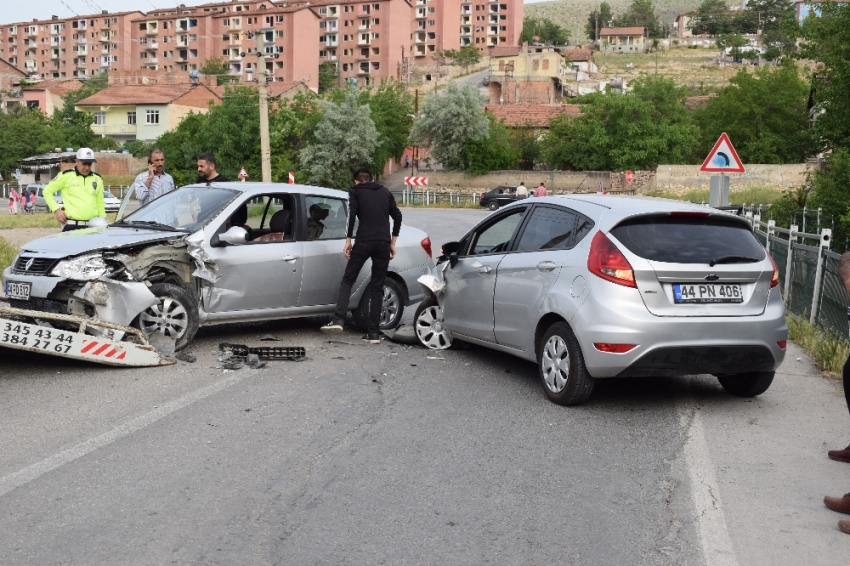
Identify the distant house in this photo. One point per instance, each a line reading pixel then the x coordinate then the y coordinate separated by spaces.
pixel 680 26
pixel 47 95
pixel 536 116
pixel 623 40
pixel 526 75
pixel 580 60
pixel 10 92
pixel 145 112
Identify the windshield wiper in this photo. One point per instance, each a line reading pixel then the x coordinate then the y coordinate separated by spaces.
pixel 149 224
pixel 733 259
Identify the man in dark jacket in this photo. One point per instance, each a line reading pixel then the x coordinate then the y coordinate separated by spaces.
pixel 373 205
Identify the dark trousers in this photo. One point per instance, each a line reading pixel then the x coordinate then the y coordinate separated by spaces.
pixel 379 252
pixel 846 373
pixel 71 226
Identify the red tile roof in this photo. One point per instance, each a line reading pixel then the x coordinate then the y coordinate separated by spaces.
pixel 578 54
pixel 534 115
pixel 57 86
pixel 621 31
pixel 8 68
pixel 505 51
pixel 142 94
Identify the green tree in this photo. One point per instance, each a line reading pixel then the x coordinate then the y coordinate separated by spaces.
pixel 392 113
pixel 75 126
pixel 764 113
pixel 544 30
pixel 641 14
pixel 597 20
pixel 775 20
pixel 831 192
pixel 465 57
pixel 218 68
pixel 734 42
pixel 635 130
pixel 447 121
pixel 495 152
pixel 345 139
pixel 25 132
pixel 713 17
pixel 328 76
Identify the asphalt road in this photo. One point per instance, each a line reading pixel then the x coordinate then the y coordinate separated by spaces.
pixel 397 455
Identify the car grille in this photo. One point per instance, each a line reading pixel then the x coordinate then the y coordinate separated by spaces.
pixel 39 265
pixel 42 305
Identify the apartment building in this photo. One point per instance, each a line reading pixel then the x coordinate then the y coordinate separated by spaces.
pixel 366 40
pixel 67 48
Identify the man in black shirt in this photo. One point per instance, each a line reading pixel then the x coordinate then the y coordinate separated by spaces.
pixel 373 205
pixel 206 170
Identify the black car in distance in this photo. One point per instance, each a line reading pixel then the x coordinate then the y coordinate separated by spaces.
pixel 500 196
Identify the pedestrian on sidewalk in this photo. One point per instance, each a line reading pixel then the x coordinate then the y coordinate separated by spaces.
pixel 373 204
pixel 842 504
pixel 13 201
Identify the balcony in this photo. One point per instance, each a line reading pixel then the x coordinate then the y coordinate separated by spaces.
pixel 364 41
pixel 114 129
pixel 13 30
pixel 234 56
pixel 152 46
pixel 32 32
pixel 79 24
pixel 54 55
pixel 81 63
pixel 420 38
pixel 153 60
pixel 152 31
pixel 465 31
pixel 419 51
pixel 82 40
pixel 104 38
pixel 105 62
pixel 421 13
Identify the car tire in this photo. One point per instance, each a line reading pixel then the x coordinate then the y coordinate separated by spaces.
pixel 561 367
pixel 175 314
pixel 391 313
pixel 429 326
pixel 746 384
pixel 493 205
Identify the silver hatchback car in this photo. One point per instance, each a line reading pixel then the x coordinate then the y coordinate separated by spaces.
pixel 212 254
pixel 593 286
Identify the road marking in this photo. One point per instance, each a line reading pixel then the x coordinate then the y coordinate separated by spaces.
pixel 717 547
pixel 34 471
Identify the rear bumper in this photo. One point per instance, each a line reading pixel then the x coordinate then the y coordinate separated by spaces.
pixel 676 346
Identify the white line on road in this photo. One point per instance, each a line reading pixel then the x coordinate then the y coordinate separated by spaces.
pixel 28 474
pixel 717 547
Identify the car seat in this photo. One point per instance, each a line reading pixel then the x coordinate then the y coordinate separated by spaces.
pixel 280 224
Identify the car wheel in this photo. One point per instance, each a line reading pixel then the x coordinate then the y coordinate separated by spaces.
pixel 429 326
pixel 175 314
pixel 746 384
pixel 493 205
pixel 562 370
pixel 391 310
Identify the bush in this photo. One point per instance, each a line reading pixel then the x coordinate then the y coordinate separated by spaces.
pixel 828 350
pixel 7 253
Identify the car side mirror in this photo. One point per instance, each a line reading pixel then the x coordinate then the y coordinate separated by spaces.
pixel 236 236
pixel 450 247
pixel 453 259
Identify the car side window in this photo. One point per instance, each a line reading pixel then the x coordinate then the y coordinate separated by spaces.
pixel 326 218
pixel 583 226
pixel 495 238
pixel 548 228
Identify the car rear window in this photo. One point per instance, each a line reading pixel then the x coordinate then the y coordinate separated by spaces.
pixel 687 239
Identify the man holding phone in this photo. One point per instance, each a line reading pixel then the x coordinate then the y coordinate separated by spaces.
pixel 154 182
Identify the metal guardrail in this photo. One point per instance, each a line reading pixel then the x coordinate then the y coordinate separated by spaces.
pixel 117 190
pixel 808 273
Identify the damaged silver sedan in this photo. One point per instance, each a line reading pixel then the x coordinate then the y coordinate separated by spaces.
pixel 212 254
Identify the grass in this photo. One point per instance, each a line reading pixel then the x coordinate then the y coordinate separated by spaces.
pixel 37 220
pixel 759 194
pixel 7 253
pixel 828 350
pixel 116 180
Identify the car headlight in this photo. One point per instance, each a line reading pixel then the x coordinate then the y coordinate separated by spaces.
pixel 83 268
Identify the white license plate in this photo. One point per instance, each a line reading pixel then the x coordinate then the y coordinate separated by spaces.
pixel 708 293
pixel 19 291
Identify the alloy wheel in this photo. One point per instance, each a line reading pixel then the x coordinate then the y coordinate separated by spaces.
pixel 555 364
pixel 167 316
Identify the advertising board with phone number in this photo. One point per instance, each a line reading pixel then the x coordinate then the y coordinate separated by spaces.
pixel 47 339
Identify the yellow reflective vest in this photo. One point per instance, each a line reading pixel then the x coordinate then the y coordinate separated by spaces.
pixel 82 197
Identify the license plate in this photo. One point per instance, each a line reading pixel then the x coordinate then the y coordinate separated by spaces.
pixel 19 291
pixel 708 293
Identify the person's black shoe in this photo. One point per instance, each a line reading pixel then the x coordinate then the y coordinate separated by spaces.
pixel 372 338
pixel 333 327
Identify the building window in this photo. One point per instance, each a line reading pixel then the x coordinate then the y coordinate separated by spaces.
pixel 535 65
pixel 131 118
pixel 545 64
pixel 151 116
pixel 32 103
pixel 278 19
pixel 99 118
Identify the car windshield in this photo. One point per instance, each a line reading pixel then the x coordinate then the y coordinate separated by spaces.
pixel 188 208
pixel 107 194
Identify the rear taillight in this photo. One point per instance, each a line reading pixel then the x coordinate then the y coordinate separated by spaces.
pixel 481 197
pixel 774 279
pixel 782 344
pixel 426 245
pixel 613 348
pixel 609 263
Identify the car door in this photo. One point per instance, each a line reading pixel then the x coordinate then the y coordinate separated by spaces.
pixel 323 239
pixel 257 275
pixel 525 276
pixel 471 283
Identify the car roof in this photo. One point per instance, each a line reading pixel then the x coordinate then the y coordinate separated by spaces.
pixel 628 204
pixel 263 188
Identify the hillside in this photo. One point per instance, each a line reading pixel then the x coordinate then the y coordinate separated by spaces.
pixel 572 14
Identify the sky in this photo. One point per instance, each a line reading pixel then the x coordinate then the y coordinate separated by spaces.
pixel 13 11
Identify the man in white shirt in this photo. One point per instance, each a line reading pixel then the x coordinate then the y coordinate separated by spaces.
pixel 154 182
pixel 521 191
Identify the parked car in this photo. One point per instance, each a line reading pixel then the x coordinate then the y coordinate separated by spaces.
pixel 498 197
pixel 110 202
pixel 230 252
pixel 593 286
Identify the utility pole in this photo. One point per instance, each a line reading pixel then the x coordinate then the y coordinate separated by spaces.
pixel 265 151
pixel 415 169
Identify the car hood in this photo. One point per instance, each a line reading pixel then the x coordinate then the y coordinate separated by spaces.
pixel 76 242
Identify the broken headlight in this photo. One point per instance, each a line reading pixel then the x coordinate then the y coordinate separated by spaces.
pixel 83 268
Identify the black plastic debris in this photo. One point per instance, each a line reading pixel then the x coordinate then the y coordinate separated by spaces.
pixel 186 357
pixel 269 338
pixel 263 352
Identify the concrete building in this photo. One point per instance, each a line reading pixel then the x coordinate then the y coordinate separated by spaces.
pixel 10 94
pixel 526 75
pixel 623 40
pixel 127 113
pixel 47 95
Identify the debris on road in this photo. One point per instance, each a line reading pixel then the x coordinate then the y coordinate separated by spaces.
pixel 269 338
pixel 186 357
pixel 403 334
pixel 263 352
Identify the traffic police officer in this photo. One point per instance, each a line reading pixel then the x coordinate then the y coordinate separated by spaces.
pixel 82 193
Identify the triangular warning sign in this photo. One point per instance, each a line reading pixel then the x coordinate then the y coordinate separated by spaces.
pixel 723 158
